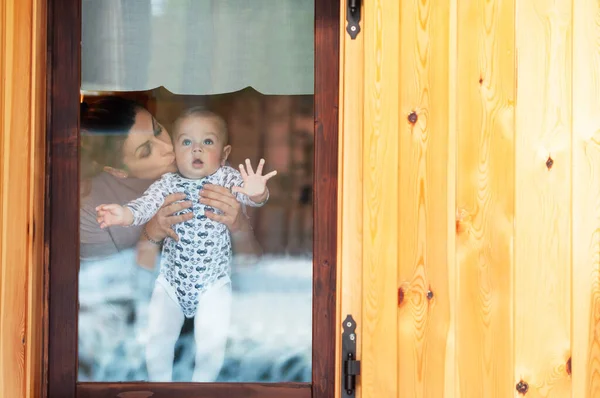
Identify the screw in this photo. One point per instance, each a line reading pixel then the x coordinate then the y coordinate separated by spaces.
pixel 352 337
pixel 353 28
pixel 348 324
pixel 429 294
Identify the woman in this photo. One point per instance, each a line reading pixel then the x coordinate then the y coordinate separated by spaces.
pixel 124 150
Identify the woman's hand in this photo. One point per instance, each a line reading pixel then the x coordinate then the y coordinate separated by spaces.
pixel 222 199
pixel 233 217
pixel 160 226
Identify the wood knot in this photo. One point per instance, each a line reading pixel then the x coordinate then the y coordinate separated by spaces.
pixel 400 296
pixel 568 366
pixel 549 163
pixel 522 387
pixel 463 219
pixel 413 117
pixel 481 80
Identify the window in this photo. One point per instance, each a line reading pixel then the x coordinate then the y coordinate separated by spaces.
pixel 169 58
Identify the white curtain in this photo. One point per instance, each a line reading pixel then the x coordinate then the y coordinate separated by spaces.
pixel 198 46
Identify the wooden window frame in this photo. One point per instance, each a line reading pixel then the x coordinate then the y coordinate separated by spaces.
pixel 62 223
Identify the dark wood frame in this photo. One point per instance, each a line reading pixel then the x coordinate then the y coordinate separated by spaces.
pixel 62 223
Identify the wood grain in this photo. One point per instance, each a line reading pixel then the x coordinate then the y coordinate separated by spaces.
pixel 327 58
pixel 485 197
pixel 350 187
pixel 451 386
pixel 585 316
pixel 62 195
pixel 36 327
pixel 14 228
pixel 424 314
pixel 22 72
pixel 379 367
pixel 543 197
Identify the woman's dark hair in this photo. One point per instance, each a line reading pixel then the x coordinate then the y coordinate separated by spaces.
pixel 105 125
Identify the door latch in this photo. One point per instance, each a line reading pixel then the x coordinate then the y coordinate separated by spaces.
pixel 351 366
pixel 353 17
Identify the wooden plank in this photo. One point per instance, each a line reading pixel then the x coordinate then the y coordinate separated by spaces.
pixel 325 250
pixel 585 327
pixel 381 31
pixel 485 197
pixel 35 326
pixel 17 49
pixel 350 199
pixel 4 122
pixel 61 235
pixel 423 274
pixel 451 386
pixel 543 197
pixel 195 390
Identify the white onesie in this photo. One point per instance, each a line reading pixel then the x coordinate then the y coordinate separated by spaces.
pixel 202 257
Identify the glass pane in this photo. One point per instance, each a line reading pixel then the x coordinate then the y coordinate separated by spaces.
pixel 176 95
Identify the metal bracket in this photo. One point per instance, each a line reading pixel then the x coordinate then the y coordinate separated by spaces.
pixel 353 17
pixel 351 367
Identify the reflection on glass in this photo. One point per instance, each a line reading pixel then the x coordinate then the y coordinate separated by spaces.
pixel 179 288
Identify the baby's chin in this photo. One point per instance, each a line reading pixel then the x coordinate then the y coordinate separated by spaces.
pixel 195 174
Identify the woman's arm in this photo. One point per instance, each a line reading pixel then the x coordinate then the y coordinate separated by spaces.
pixel 243 240
pixel 159 227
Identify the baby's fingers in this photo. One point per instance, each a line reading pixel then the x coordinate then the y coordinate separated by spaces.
pixel 109 208
pixel 270 175
pixel 102 222
pixel 259 168
pixel 249 167
pixel 235 189
pixel 243 172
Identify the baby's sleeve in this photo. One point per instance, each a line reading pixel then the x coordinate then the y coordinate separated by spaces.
pixel 233 178
pixel 146 206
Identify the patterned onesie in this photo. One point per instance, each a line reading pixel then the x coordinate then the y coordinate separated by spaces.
pixel 202 257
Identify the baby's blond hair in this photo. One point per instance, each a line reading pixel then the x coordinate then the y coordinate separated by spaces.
pixel 201 112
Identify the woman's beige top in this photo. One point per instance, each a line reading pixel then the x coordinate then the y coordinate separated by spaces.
pixel 96 243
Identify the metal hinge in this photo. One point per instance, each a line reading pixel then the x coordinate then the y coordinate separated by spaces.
pixel 353 17
pixel 350 365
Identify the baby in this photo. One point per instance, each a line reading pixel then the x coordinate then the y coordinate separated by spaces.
pixel 193 270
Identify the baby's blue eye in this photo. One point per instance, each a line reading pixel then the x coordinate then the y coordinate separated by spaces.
pixel 208 141
pixel 186 142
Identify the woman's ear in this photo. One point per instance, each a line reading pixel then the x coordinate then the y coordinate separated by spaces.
pixel 226 152
pixel 119 173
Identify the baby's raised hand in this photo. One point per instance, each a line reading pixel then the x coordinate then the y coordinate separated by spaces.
pixel 255 184
pixel 109 215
